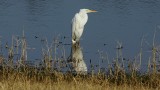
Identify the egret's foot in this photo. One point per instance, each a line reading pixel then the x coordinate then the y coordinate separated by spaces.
pixel 73 42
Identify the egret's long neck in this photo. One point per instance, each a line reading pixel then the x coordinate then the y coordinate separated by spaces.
pixel 84 17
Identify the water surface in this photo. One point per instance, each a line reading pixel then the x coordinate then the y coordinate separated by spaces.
pixel 117 20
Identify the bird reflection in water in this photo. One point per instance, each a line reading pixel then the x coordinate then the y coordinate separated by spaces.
pixel 77 61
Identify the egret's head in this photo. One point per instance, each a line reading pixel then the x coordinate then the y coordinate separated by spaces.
pixel 87 10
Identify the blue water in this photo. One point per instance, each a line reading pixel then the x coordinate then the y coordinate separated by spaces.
pixel 116 20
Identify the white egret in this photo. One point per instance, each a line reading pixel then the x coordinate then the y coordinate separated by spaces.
pixel 78 23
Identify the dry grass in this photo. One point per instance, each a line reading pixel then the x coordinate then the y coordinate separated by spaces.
pixel 30 79
pixel 28 85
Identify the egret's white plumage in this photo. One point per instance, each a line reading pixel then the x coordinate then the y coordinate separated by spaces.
pixel 78 23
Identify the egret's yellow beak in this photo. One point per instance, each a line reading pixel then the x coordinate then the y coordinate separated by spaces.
pixel 89 11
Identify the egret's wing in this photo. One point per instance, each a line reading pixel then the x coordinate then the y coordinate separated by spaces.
pixel 75 25
pixel 75 22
